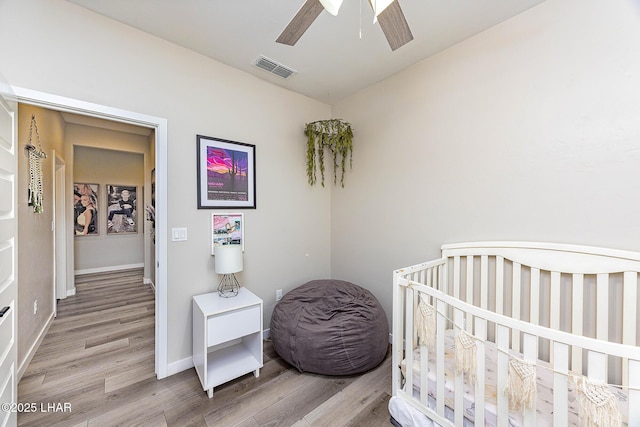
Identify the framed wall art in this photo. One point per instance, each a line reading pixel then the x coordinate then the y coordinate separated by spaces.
pixel 226 174
pixel 85 209
pixel 122 209
pixel 227 229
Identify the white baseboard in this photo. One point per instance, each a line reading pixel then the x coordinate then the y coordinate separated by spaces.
pixel 71 292
pixel 179 366
pixel 34 347
pixel 111 268
pixel 266 334
pixel 148 281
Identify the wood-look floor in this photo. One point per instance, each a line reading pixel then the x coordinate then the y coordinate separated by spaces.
pixel 98 359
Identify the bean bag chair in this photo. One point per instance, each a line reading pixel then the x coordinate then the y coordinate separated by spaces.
pixel 330 327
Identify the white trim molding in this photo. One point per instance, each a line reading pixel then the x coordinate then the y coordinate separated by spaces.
pixel 108 269
pixel 159 124
pixel 34 347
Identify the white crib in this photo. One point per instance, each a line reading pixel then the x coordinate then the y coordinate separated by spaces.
pixel 569 311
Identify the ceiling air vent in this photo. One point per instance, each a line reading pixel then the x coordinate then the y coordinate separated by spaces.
pixel 273 67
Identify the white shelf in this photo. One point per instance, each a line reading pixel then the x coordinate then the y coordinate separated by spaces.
pixel 230 362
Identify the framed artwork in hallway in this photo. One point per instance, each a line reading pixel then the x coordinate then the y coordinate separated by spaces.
pixel 85 209
pixel 121 212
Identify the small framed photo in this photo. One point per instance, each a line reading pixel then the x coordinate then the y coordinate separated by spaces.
pixel 227 229
pixel 121 212
pixel 85 209
pixel 226 174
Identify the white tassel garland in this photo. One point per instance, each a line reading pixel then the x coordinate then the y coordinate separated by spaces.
pixel 466 355
pixel 597 405
pixel 426 323
pixel 521 384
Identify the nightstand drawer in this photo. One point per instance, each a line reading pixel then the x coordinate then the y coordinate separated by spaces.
pixel 233 324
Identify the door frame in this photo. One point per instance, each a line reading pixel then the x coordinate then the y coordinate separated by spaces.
pixel 59 230
pixel 60 103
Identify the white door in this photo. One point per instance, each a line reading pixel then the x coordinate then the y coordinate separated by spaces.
pixel 8 254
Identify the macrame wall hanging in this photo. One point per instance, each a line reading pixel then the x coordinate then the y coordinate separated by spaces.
pixel 426 323
pixel 598 406
pixel 466 355
pixel 36 155
pixel 521 384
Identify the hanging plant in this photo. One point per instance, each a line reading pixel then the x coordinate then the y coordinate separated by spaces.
pixel 335 135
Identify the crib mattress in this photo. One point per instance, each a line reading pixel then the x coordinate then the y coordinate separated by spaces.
pixel 544 404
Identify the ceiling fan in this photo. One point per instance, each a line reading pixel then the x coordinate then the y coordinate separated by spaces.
pixel 387 12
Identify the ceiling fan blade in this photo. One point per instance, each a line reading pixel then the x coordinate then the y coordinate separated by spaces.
pixel 299 24
pixel 394 26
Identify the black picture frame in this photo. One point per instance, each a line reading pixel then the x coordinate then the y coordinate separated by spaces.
pixel 121 213
pixel 226 174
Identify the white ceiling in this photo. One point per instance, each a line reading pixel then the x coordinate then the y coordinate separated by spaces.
pixel 331 60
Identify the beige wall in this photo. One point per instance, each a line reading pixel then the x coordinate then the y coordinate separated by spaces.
pixel 528 131
pixel 35 257
pixel 109 167
pixel 98 60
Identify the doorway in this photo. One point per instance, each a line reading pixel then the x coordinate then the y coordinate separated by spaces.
pixel 60 230
pixel 159 124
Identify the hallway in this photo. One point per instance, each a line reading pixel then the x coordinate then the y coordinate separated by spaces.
pixel 101 341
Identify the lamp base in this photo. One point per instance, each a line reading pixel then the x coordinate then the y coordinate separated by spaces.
pixel 228 286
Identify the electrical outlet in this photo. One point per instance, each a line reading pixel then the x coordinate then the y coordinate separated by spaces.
pixel 278 294
pixel 35 307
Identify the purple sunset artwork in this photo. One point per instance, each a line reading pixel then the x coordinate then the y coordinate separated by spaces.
pixel 227 174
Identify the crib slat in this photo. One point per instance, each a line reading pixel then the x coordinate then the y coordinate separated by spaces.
pixel 530 353
pixel 554 303
pixel 554 307
pixel 634 392
pixel 602 306
pixel 629 314
pixel 456 277
pixel 629 310
pixel 484 281
pixel 459 379
pixel 424 375
pixel 481 334
pixel 440 324
pixel 469 279
pixel 577 307
pixel 499 285
pixel 534 299
pixel 515 304
pixel 469 327
pixel 502 402
pixel 409 339
pixel 596 366
pixel 560 384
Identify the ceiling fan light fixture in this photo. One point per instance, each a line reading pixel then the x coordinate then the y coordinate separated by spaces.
pixel 332 6
pixel 378 7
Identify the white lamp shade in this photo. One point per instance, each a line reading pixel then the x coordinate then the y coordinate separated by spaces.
pixel 228 259
pixel 332 6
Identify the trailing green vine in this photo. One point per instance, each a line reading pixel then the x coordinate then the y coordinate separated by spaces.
pixel 337 136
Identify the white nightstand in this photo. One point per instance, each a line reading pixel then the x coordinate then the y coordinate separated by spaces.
pixel 227 337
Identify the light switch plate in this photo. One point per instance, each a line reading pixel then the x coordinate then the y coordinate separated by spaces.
pixel 178 234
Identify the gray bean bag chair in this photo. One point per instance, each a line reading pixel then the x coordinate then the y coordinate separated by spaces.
pixel 330 327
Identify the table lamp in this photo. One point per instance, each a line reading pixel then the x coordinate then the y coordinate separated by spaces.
pixel 228 260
